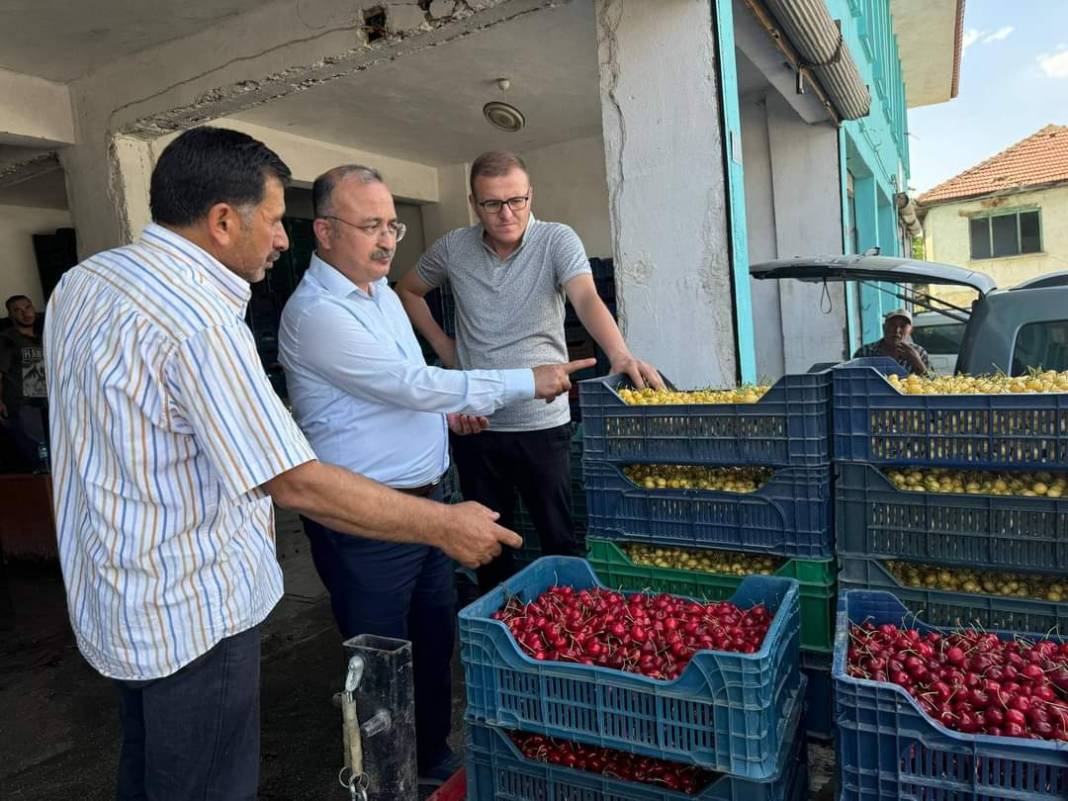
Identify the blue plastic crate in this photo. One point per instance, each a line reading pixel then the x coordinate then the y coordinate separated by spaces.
pixel 496 769
pixel 819 697
pixel 789 516
pixel 874 518
pixel 889 750
pixel 941 608
pixel 723 713
pixel 788 427
pixel 875 423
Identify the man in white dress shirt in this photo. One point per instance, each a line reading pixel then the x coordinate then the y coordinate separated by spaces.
pixel 366 399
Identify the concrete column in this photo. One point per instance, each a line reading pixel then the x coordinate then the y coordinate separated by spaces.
pixel 808 213
pixel 667 193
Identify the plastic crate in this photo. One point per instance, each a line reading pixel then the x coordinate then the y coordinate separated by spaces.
pixel 941 608
pixel 875 423
pixel 723 713
pixel 789 516
pixel 888 749
pixel 816 580
pixel 874 518
pixel 788 427
pixel 819 695
pixel 496 769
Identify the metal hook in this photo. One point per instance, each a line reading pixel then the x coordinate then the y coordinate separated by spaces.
pixel 355 674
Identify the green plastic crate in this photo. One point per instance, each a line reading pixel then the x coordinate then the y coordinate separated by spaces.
pixel 816 577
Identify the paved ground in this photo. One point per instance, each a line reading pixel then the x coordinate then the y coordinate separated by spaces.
pixel 59 729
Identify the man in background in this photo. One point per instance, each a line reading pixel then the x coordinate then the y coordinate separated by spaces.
pixel 509 275
pixel 895 344
pixel 23 392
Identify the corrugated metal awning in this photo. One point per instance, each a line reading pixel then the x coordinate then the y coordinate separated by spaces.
pixel 822 50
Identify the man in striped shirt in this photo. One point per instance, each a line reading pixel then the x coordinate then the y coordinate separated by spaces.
pixel 168 448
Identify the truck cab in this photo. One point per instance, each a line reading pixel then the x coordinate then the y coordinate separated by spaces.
pixel 1005 330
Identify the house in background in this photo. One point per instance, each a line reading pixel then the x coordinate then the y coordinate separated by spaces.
pixel 1006 217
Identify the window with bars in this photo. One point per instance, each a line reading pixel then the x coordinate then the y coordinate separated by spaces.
pixel 1001 235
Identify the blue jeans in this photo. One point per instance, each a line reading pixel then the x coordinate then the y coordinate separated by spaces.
pixel 196 733
pixel 398 590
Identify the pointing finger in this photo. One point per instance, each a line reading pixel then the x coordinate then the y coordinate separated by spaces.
pixel 509 538
pixel 579 364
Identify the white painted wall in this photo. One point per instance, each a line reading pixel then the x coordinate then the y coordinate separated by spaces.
pixel 666 185
pixel 570 187
pixel 18 269
pixel 793 208
pixel 452 209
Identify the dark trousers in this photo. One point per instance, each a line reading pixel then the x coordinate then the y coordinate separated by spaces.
pixel 404 591
pixel 493 465
pixel 195 735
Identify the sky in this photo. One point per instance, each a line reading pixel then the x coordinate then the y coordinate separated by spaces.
pixel 1013 81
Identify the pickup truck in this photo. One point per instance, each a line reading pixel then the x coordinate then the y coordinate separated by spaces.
pixel 1005 330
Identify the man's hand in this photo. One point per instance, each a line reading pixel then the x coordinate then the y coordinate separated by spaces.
pixel 3 410
pixel 639 372
pixel 471 535
pixel 463 424
pixel 905 351
pixel 551 380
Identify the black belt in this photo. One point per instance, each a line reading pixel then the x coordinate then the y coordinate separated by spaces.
pixel 423 491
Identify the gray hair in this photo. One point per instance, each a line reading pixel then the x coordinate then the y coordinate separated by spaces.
pixel 323 188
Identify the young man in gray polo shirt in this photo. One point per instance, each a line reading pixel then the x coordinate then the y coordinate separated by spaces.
pixel 509 275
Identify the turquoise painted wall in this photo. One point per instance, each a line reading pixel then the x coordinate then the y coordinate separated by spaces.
pixel 873 149
pixel 732 138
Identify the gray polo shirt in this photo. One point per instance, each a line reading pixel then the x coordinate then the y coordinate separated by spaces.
pixel 510 312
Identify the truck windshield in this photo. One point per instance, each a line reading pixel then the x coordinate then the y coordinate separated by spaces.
pixel 939 338
pixel 1042 345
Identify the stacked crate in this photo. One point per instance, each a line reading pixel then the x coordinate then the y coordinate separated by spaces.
pixel 877 428
pixel 790 517
pixel 887 747
pixel 729 713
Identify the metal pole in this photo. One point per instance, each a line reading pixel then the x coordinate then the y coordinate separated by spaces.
pixel 385 703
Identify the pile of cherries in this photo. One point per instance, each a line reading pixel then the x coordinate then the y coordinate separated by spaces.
pixel 655 635
pixel 614 764
pixel 970 681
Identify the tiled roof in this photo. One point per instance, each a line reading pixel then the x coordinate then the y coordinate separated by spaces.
pixel 1041 158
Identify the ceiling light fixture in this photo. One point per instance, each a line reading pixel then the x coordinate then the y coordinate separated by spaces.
pixel 504 116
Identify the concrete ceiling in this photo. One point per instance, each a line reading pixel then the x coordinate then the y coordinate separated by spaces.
pixel 926 33
pixel 79 37
pixel 427 106
pixel 47 190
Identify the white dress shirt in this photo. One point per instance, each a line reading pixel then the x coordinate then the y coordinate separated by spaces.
pixel 361 389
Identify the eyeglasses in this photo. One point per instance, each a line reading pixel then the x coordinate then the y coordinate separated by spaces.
pixel 514 203
pixel 395 229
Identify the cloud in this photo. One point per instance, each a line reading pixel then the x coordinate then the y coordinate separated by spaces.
pixel 1001 33
pixel 977 36
pixel 1055 65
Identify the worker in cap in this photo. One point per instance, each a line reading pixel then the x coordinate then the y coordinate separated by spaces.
pixel 897 344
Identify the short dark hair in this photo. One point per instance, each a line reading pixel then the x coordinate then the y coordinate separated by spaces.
pixel 11 301
pixel 496 163
pixel 207 165
pixel 323 188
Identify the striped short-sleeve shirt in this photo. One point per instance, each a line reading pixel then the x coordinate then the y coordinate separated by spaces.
pixel 163 427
